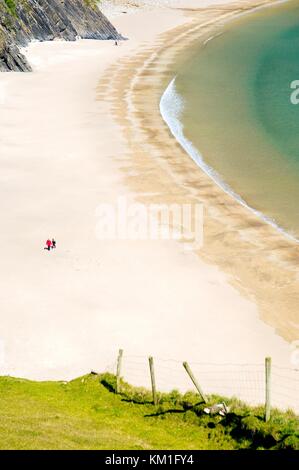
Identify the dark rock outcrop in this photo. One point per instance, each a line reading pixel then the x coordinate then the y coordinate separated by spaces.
pixel 12 59
pixel 44 20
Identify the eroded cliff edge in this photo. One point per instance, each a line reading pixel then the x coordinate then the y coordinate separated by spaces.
pixel 24 20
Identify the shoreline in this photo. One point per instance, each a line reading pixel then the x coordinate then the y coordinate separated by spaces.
pixel 65 152
pixel 173 122
pixel 194 153
pixel 278 266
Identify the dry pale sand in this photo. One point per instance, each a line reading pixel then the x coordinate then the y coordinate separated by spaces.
pixel 81 130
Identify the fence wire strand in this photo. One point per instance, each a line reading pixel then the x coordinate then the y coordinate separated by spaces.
pixel 244 381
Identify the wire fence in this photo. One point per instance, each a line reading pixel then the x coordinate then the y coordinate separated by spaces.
pixel 246 382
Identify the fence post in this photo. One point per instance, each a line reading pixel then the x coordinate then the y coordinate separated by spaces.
pixel 153 380
pixel 192 377
pixel 118 371
pixel 268 388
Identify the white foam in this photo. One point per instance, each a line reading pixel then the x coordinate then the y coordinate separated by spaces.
pixel 171 108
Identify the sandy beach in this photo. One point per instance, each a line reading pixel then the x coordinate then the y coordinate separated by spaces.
pixel 83 129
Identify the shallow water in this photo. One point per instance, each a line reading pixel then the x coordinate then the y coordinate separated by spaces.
pixel 237 112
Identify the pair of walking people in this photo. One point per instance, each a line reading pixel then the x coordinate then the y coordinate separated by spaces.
pixel 50 244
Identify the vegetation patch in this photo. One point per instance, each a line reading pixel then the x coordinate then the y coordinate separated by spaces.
pixel 86 413
pixel 244 424
pixel 11 6
pixel 92 3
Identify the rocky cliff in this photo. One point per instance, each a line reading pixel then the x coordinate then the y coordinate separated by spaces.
pixel 24 20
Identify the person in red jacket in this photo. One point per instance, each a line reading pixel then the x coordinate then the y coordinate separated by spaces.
pixel 48 245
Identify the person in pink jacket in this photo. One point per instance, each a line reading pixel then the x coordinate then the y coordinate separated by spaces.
pixel 48 245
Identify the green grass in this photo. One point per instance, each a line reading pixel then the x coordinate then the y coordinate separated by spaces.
pixel 86 414
pixel 11 6
pixel 92 3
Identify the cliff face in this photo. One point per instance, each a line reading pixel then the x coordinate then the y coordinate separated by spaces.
pixel 24 20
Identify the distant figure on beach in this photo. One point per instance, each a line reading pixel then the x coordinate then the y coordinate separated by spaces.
pixel 116 43
pixel 48 245
pixel 53 243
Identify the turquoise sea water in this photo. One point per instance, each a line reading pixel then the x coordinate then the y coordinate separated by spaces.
pixel 233 100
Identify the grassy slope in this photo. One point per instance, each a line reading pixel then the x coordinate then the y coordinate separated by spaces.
pixel 84 414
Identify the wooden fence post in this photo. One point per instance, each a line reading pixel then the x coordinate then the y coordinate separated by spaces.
pixel 192 377
pixel 118 371
pixel 153 380
pixel 268 388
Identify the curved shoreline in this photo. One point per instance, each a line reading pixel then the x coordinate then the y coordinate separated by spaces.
pixel 195 154
pixel 260 262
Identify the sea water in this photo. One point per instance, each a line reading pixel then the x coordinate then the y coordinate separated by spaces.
pixel 233 107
